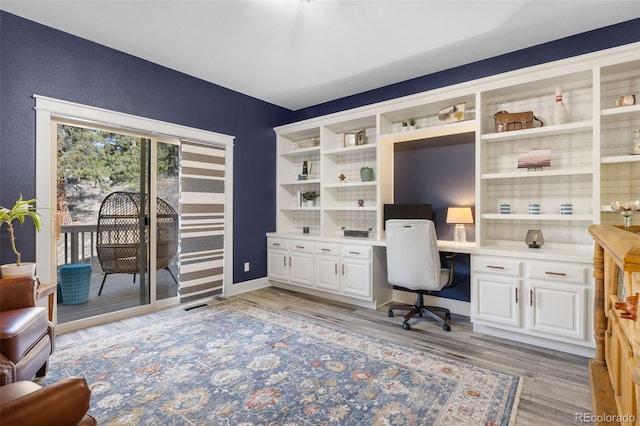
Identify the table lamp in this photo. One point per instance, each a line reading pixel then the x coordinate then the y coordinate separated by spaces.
pixel 459 216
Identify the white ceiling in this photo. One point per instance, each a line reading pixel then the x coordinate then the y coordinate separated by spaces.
pixel 299 53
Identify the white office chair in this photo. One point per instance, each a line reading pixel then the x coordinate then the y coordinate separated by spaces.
pixel 413 264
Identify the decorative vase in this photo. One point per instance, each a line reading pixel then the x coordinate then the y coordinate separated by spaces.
pixel 560 114
pixel 12 270
pixel 366 174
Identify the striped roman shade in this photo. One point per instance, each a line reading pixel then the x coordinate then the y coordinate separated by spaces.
pixel 202 218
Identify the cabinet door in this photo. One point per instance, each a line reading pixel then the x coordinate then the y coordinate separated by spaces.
pixel 497 299
pixel 326 272
pixel 557 309
pixel 356 277
pixel 301 268
pixel 277 265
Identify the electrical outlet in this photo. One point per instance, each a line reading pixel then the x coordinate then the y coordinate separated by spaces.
pixel 246 266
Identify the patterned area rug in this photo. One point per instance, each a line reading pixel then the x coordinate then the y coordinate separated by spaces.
pixel 235 363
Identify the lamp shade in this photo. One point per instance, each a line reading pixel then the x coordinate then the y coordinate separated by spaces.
pixel 459 215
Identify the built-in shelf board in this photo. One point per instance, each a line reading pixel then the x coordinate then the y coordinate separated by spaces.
pixel 299 182
pixel 630 109
pixel 350 184
pixel 351 149
pixel 350 209
pixel 620 159
pixel 537 132
pixel 430 132
pixel 302 152
pixel 540 217
pixel 298 209
pixel 538 173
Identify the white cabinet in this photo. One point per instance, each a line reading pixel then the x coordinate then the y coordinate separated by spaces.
pixel 290 261
pixel 590 166
pixel 327 267
pixel 557 298
pixel 342 269
pixel 356 271
pixel 301 263
pixel 278 259
pixel 546 299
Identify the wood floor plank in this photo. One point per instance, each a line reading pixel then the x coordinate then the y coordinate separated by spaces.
pixel 555 384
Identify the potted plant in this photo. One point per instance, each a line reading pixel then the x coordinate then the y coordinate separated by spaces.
pixel 21 210
pixel 405 125
pixel 412 123
pixel 310 198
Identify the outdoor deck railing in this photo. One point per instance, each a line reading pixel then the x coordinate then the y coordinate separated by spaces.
pixel 79 243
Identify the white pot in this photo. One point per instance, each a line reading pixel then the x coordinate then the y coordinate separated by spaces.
pixel 11 270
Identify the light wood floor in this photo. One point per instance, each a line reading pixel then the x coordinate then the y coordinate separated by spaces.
pixel 556 385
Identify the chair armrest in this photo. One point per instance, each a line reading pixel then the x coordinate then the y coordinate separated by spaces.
pixel 62 403
pixel 451 257
pixel 18 293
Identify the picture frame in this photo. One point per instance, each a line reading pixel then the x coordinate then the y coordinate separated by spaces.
pixel 534 158
pixel 349 140
pixel 355 138
pixel 452 113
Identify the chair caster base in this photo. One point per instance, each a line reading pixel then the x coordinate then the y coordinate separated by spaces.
pixel 406 325
pixel 390 313
pixel 446 327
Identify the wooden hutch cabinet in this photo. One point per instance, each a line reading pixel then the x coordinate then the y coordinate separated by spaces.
pixel 615 369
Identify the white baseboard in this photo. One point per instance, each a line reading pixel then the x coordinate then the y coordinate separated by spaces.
pixel 576 349
pixel 245 286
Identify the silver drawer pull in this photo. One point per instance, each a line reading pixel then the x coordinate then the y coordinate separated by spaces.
pixel 561 274
pixel 495 267
pixel 300 247
pixel 354 252
pixel 325 249
pixel 275 244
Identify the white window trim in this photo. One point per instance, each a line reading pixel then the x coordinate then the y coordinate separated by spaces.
pixel 48 110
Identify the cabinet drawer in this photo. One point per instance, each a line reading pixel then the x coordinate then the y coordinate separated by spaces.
pixel 328 249
pixel 277 243
pixel 557 271
pixel 497 265
pixel 358 252
pixel 301 246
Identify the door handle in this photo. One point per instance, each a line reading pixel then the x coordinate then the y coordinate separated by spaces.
pixel 516 295
pixel 531 297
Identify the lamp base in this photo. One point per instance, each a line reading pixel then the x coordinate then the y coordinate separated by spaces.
pixel 459 234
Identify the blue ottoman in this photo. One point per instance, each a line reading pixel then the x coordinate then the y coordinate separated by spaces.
pixel 75 280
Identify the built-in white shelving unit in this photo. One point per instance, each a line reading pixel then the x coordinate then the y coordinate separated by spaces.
pixel 591 165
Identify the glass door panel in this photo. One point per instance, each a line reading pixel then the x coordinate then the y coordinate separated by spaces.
pixel 167 189
pixel 103 208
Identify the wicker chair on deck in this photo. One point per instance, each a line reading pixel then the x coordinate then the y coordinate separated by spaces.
pixel 118 234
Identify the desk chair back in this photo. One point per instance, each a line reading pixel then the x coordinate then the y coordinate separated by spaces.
pixel 413 260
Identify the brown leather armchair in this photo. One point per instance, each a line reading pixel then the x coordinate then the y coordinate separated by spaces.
pixel 63 403
pixel 26 335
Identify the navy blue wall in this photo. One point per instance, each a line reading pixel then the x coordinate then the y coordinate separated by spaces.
pixel 603 38
pixel 40 60
pixel 440 171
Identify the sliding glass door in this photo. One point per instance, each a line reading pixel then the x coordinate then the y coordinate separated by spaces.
pixel 117 203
